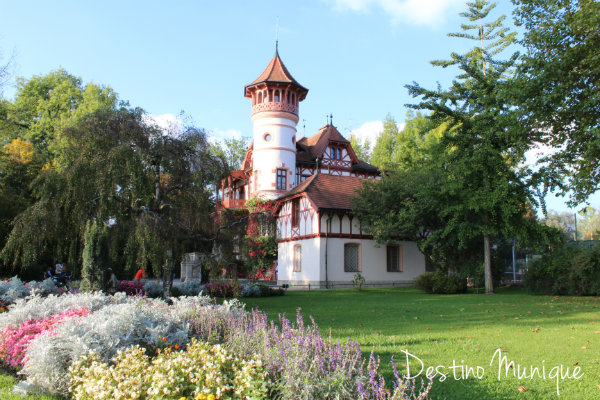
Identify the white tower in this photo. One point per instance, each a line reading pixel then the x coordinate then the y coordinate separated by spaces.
pixel 275 96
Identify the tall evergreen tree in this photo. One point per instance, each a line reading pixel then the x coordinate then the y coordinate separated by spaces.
pixel 484 193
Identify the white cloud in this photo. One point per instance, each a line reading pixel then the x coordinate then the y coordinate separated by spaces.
pixel 218 135
pixel 367 131
pixel 417 12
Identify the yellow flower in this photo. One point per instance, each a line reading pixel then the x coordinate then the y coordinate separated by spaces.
pixel 201 397
pixel 211 397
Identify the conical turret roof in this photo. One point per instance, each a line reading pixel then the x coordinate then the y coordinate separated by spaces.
pixel 276 72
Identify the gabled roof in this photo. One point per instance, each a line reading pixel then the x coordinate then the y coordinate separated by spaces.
pixel 312 147
pixel 275 72
pixel 327 192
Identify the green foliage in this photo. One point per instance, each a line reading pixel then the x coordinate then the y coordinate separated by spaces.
pixel 440 282
pixel 483 191
pixel 566 270
pixel 232 151
pixel 110 164
pixel 557 91
pixel 414 143
pixel 95 257
pixel 358 281
pixel 362 148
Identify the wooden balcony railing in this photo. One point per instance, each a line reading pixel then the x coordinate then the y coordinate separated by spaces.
pixel 231 203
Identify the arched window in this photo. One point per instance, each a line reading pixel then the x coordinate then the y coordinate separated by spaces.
pixel 332 153
pixel 339 154
pixel 276 98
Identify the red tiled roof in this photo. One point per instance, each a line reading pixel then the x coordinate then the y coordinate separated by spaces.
pixel 312 147
pixel 332 192
pixel 275 72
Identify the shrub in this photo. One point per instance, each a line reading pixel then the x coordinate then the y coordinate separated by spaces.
pixel 15 339
pixel 200 371
pixel 37 307
pixel 132 288
pixel 358 281
pixel 153 288
pixel 12 290
pixel 104 332
pixel 192 287
pixel 439 282
pixel 566 270
pixel 251 290
pixel 43 288
pixel 219 289
pixel 425 282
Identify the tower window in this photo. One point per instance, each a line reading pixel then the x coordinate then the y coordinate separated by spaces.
pixel 294 98
pixel 260 97
pixel 339 154
pixel 281 179
pixel 277 96
pixel 287 97
pixel 332 153
pixel 267 137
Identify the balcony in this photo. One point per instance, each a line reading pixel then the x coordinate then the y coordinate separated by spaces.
pixel 231 203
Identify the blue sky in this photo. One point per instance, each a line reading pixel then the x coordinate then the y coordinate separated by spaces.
pixel 354 56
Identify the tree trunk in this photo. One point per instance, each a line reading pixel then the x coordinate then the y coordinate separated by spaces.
pixel 487 269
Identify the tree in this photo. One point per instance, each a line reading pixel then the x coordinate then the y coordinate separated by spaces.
pixel 384 144
pixel 150 186
pixel 485 195
pixel 232 150
pixel 362 148
pixel 557 89
pixel 95 256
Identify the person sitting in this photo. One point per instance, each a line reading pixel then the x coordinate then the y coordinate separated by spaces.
pixel 139 275
pixel 60 269
pixel 48 273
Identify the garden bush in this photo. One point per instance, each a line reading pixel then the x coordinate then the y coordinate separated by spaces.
pixel 566 270
pixel 132 288
pixel 440 282
pixel 153 288
pixel 191 287
pixel 14 340
pixel 126 347
pixel 201 371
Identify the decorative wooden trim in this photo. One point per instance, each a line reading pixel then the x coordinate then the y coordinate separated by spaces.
pixel 275 148
pixel 330 236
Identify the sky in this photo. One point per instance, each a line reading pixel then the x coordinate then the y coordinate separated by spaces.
pixel 354 56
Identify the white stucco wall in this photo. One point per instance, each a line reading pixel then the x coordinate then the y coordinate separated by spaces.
pixel 310 273
pixel 373 263
pixel 278 152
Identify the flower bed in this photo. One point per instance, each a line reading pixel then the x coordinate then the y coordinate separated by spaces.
pixel 128 347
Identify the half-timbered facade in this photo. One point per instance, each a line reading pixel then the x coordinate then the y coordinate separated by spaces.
pixel 320 242
pixel 312 179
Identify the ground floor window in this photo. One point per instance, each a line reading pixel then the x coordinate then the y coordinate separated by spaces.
pixel 351 257
pixel 297 258
pixel 394 258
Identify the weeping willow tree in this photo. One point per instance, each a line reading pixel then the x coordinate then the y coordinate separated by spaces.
pixel 150 187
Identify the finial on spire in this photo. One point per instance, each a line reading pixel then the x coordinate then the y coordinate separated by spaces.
pixel 277 37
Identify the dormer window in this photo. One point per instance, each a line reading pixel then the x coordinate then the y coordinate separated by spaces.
pixel 339 153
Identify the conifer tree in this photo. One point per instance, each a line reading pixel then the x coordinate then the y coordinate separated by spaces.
pixel 484 194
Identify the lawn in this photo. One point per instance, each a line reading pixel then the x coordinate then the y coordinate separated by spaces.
pixel 533 331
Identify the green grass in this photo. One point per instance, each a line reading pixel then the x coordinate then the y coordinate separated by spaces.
pixel 531 330
pixel 8 381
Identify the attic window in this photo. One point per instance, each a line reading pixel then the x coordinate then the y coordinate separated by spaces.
pixel 339 153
